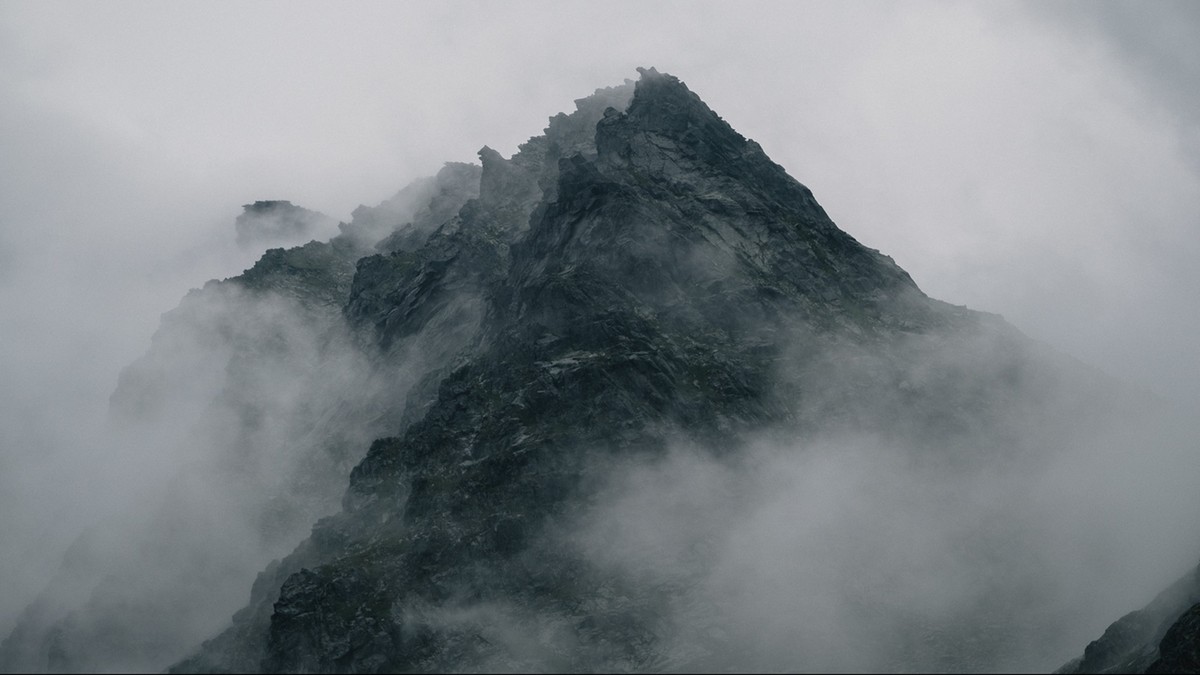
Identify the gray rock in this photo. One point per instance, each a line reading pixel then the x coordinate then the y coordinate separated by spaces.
pixel 276 223
pixel 1162 637
pixel 672 282
pixel 637 278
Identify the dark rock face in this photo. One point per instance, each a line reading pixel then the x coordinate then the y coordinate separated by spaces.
pixel 1162 637
pixel 271 385
pixel 254 386
pixel 262 391
pixel 665 282
pixel 638 279
pixel 1179 650
pixel 275 223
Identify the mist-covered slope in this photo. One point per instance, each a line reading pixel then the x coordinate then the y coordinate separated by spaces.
pixel 1162 637
pixel 628 399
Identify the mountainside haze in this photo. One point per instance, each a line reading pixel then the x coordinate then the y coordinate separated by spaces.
pixel 628 399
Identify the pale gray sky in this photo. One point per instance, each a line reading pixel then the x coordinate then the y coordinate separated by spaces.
pixel 1040 163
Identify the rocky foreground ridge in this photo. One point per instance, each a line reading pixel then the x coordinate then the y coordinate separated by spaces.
pixel 512 345
pixel 1162 637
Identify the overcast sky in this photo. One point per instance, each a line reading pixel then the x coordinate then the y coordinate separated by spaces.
pixel 1036 162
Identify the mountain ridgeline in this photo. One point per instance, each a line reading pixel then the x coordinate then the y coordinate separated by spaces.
pixel 627 400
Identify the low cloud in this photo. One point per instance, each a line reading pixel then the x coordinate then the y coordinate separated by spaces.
pixel 858 554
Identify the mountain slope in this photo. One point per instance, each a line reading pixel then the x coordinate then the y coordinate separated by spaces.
pixel 263 390
pixel 1162 637
pixel 628 399
pixel 674 288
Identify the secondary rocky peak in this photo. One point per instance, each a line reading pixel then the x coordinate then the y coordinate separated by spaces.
pixel 506 181
pixel 489 156
pixel 278 222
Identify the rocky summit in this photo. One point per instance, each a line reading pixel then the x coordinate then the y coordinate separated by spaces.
pixel 626 400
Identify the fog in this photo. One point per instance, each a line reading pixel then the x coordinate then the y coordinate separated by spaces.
pixel 846 555
pixel 1038 163
pixel 917 550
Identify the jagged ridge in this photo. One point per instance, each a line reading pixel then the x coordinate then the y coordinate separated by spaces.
pixel 640 277
pixel 653 291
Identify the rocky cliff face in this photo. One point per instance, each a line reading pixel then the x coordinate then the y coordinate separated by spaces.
pixel 668 284
pixel 267 388
pixel 584 368
pixel 1162 637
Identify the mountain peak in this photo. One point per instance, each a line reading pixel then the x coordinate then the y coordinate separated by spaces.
pixel 652 72
pixel 662 102
pixel 531 340
pixel 671 131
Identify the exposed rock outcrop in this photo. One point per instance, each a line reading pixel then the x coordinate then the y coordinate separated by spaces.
pixel 1162 637
pixel 673 285
pixel 279 223
pixel 454 387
